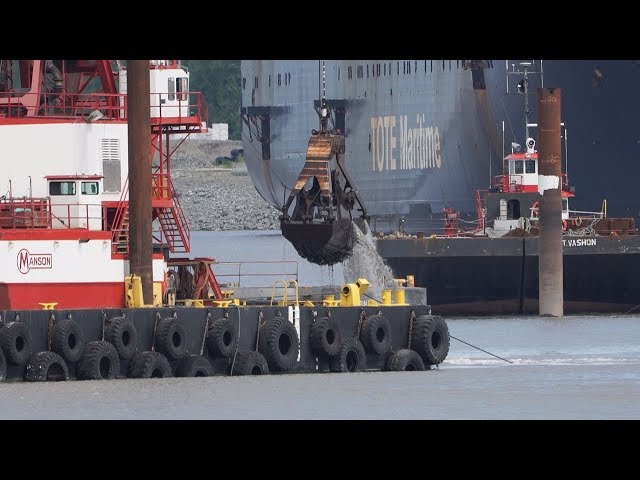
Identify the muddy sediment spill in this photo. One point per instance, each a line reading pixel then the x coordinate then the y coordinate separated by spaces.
pixel 365 262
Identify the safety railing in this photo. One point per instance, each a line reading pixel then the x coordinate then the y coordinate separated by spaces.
pixel 585 214
pixel 42 213
pixel 187 107
pixel 286 285
pixel 259 273
pixel 508 183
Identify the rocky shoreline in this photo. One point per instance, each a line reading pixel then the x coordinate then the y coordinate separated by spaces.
pixel 215 197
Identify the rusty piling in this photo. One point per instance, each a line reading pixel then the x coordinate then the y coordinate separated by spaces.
pixel 140 215
pixel 550 271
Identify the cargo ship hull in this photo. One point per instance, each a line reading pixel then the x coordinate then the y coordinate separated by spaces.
pixel 415 131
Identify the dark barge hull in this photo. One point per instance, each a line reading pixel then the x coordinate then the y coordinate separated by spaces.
pixel 194 320
pixel 496 276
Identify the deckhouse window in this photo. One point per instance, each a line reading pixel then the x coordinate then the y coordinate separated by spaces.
pixel 172 88
pixel 530 166
pixel 518 167
pixel 62 188
pixel 182 87
pixel 89 188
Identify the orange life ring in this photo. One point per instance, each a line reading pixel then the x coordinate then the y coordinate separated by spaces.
pixel 535 209
pixel 564 225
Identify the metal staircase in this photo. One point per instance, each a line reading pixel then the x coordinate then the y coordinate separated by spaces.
pixel 168 211
pixel 121 243
pixel 165 207
pixel 120 226
pixel 174 227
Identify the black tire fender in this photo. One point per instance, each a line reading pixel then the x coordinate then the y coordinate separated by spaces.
pixel 376 334
pixel 430 338
pixel 194 366
pixel 99 361
pixel 405 360
pixel 67 339
pixel 122 333
pixel 3 367
pixel 249 363
pixel 351 358
pixel 15 341
pixel 149 365
pixel 279 343
pixel 46 367
pixel 222 338
pixel 171 338
pixel 325 337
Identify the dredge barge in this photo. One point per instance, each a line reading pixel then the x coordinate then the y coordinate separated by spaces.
pixel 71 304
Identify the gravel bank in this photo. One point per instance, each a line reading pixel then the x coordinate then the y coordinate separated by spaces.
pixel 218 198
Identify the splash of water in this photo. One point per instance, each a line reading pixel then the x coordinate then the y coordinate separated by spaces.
pixel 365 262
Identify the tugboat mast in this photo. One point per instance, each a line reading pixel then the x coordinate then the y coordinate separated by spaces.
pixel 523 87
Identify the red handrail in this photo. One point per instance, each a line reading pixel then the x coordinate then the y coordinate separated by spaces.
pixel 112 106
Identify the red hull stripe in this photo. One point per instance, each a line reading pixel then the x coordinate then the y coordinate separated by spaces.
pixel 26 296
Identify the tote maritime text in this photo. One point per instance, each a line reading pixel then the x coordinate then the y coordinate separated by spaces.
pixel 28 261
pixel 398 145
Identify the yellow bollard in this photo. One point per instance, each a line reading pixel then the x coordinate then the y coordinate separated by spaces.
pixel 386 297
pixel 157 294
pixel 399 297
pixel 330 301
pixel 48 305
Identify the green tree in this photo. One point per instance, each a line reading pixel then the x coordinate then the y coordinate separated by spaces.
pixel 219 82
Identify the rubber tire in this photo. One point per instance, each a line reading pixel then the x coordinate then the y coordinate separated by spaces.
pixel 405 360
pixel 351 358
pixel 250 363
pixel 99 361
pixel 325 337
pixel 15 341
pixel 376 335
pixel 39 368
pixel 171 338
pixel 122 333
pixel 149 365
pixel 222 338
pixel 430 338
pixel 3 367
pixel 276 335
pixel 194 366
pixel 67 339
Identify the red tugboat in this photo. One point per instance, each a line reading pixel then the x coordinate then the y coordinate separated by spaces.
pixel 69 307
pixel 512 202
